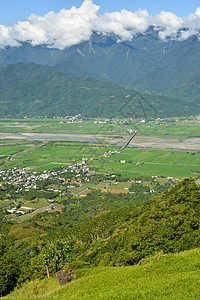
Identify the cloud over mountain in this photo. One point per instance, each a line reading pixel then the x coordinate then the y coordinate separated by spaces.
pixel 70 27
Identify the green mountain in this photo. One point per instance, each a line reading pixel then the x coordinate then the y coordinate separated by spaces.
pixel 146 63
pixel 190 90
pixel 101 57
pixel 28 89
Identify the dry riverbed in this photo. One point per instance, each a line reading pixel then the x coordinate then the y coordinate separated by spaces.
pixel 192 144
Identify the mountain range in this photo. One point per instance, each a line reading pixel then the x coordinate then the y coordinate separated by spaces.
pixel 145 67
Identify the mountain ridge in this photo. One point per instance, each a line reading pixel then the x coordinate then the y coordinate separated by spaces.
pixel 28 89
pixel 146 63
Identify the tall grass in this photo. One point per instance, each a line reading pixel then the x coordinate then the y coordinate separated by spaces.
pixel 174 276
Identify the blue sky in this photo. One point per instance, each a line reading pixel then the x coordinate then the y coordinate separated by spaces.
pixel 64 23
pixel 12 11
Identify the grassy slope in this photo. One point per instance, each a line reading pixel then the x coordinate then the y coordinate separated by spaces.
pixel 175 276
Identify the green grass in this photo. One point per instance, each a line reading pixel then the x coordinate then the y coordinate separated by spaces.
pixel 8 150
pixel 5 203
pixel 77 190
pixel 173 130
pixel 66 153
pixel 155 156
pixel 130 170
pixel 38 203
pixel 55 126
pixel 174 276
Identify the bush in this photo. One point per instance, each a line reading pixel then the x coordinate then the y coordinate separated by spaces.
pixel 9 274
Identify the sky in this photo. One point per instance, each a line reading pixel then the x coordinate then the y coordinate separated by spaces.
pixel 15 10
pixel 63 23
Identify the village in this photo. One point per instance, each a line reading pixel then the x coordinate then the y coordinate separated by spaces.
pixel 22 181
pixel 17 186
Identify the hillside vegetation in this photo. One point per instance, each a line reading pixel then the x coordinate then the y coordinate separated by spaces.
pixel 145 63
pixel 167 223
pixel 173 276
pixel 35 90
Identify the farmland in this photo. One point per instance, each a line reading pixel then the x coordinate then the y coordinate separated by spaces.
pixel 48 155
pixel 84 156
pixel 168 147
pixel 173 127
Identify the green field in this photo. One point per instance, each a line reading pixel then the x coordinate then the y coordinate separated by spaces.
pixel 58 126
pixel 132 170
pixel 50 155
pixel 174 127
pixel 155 162
pixel 9 150
pixel 44 155
pixel 155 156
pixel 174 130
pixel 39 203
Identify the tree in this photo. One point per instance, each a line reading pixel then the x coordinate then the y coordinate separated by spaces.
pixel 9 274
pixel 55 254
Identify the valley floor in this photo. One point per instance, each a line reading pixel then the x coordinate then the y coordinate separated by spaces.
pixel 192 144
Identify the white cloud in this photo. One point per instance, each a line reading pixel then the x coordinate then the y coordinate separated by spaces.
pixel 58 30
pixel 6 37
pixel 125 24
pixel 70 27
pixel 168 24
pixel 192 24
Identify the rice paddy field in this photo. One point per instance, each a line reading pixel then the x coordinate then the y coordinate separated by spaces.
pixel 136 161
pixel 131 161
pixel 40 155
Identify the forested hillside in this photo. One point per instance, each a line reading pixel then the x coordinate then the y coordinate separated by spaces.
pixel 145 63
pixel 168 223
pixel 35 90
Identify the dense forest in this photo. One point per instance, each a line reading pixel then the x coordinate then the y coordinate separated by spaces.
pixel 28 89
